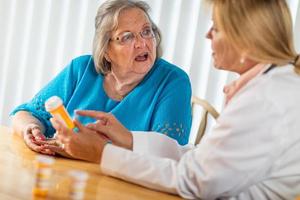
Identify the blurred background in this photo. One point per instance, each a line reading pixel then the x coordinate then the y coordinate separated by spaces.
pixel 38 38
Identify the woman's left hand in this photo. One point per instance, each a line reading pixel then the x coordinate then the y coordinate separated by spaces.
pixel 85 144
pixel 108 125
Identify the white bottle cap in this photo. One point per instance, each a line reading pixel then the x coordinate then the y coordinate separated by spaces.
pixel 79 175
pixel 52 103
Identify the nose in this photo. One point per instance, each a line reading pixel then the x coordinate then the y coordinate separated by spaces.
pixel 139 41
pixel 209 33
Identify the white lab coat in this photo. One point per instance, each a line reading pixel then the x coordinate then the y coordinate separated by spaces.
pixel 253 152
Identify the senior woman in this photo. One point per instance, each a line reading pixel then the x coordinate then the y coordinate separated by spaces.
pixel 253 151
pixel 125 77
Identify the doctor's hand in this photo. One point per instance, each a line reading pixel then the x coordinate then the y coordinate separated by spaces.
pixel 108 125
pixel 85 144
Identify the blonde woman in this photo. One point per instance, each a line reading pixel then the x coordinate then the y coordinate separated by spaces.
pixel 253 151
pixel 125 76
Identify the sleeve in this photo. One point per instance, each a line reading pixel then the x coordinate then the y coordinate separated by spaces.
pixel 172 115
pixel 165 146
pixel 159 152
pixel 62 85
pixel 238 153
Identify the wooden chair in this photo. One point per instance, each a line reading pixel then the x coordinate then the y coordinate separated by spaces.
pixel 207 109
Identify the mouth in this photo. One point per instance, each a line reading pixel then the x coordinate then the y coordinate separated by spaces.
pixel 142 57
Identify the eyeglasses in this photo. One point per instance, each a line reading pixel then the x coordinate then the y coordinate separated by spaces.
pixel 127 38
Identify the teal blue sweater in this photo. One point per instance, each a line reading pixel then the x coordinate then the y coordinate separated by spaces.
pixel 160 102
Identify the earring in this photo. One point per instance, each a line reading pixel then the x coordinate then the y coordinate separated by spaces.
pixel 107 57
pixel 242 60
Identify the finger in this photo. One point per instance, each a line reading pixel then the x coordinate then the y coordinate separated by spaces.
pixel 61 129
pixel 105 137
pixel 48 141
pixel 34 130
pixel 56 124
pixel 101 133
pixel 35 145
pixel 78 124
pixel 103 122
pixel 47 151
pixel 38 135
pixel 94 114
pixel 99 121
pixel 29 137
pixel 29 141
pixel 99 127
pixel 81 127
pixel 58 150
pixel 54 148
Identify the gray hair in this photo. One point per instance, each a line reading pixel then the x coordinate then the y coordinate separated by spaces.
pixel 106 21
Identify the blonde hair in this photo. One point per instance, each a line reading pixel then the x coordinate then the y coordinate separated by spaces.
pixel 260 28
pixel 106 21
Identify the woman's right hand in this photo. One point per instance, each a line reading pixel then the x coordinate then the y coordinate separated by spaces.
pixel 35 139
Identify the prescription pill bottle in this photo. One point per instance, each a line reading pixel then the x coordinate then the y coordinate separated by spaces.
pixel 78 183
pixel 42 175
pixel 55 106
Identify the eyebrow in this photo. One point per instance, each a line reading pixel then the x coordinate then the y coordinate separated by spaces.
pixel 148 24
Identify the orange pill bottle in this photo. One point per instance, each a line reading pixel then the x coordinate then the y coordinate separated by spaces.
pixel 42 176
pixel 55 106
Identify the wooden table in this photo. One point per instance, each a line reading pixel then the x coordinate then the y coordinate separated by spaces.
pixel 17 176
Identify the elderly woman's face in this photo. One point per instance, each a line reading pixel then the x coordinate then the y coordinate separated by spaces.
pixel 132 48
